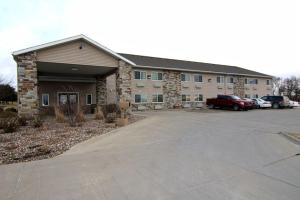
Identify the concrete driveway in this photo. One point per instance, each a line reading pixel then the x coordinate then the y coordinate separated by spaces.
pixel 172 155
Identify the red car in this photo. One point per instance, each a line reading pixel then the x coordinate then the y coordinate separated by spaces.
pixel 229 101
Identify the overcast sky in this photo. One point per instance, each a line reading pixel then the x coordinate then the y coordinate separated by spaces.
pixel 261 35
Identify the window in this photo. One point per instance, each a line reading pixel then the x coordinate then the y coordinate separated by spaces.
pixel 88 99
pixel 156 76
pixel 45 99
pixel 185 77
pixel 157 98
pixel 230 80
pixel 251 81
pixel 255 96
pixel 247 95
pixel 220 79
pixel 185 97
pixel 140 98
pixel 198 78
pixel 254 81
pixel 199 97
pixel 139 75
pixel 268 82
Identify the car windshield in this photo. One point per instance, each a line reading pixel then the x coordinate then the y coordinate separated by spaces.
pixel 235 97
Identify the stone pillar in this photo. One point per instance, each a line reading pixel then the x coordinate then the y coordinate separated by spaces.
pixel 171 88
pixel 239 87
pixel 123 81
pixel 101 90
pixel 28 100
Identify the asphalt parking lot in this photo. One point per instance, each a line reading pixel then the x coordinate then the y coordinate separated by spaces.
pixel 172 155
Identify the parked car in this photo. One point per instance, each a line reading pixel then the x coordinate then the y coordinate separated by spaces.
pixel 228 101
pixel 277 101
pixel 262 103
pixel 293 104
pixel 251 102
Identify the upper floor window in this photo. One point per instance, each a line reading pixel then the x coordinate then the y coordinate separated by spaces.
pixel 185 77
pixel 220 79
pixel 157 76
pixel 157 98
pixel 251 81
pixel 45 99
pixel 140 98
pixel 198 78
pixel 229 79
pixel 268 82
pixel 139 75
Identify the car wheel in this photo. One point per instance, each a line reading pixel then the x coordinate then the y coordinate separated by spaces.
pixel 275 106
pixel 210 106
pixel 236 107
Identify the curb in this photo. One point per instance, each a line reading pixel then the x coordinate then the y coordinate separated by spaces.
pixel 290 137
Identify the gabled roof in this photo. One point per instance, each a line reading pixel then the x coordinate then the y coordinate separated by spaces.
pixel 70 39
pixel 182 65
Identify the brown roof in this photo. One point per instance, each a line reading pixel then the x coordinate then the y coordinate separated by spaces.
pixel 148 61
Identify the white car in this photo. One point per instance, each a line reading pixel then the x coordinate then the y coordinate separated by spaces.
pixel 260 103
pixel 293 104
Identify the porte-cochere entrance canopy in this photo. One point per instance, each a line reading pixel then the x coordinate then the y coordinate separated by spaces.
pixel 75 67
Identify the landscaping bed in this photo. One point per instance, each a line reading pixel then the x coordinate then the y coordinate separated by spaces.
pixel 49 140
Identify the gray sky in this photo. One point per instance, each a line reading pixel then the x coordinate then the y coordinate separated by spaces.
pixel 261 35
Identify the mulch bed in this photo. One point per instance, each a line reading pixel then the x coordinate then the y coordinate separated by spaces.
pixel 50 140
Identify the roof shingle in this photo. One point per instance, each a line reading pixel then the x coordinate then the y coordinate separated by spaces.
pixel 148 61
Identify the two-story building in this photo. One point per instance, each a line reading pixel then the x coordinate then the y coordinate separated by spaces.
pixel 82 71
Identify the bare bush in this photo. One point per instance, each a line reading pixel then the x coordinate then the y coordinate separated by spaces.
pixel 59 115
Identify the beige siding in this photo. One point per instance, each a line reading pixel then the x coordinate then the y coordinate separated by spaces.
pixel 72 54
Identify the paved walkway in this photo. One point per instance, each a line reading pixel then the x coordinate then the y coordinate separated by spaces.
pixel 171 155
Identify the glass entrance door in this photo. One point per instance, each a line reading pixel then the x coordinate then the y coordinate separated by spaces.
pixel 68 98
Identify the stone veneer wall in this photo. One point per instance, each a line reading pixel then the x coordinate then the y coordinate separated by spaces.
pixel 239 87
pixel 123 81
pixel 101 91
pixel 171 88
pixel 28 100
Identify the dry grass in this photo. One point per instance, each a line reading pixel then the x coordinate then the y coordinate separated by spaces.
pixel 80 117
pixel 59 115
pixel 99 114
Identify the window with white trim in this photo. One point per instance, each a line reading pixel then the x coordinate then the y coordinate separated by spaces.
pixel 220 79
pixel 198 78
pixel 251 81
pixel 185 77
pixel 268 82
pixel 156 76
pixel 45 99
pixel 157 98
pixel 139 75
pixel 230 80
pixel 140 98
pixel 88 99
pixel 185 97
pixel 199 97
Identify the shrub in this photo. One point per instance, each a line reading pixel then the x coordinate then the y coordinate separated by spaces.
pixel 7 114
pixel 111 117
pixel 22 121
pixel 10 125
pixel 109 108
pixel 59 115
pixel 99 114
pixel 2 121
pixel 11 110
pixel 37 122
pixel 80 117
